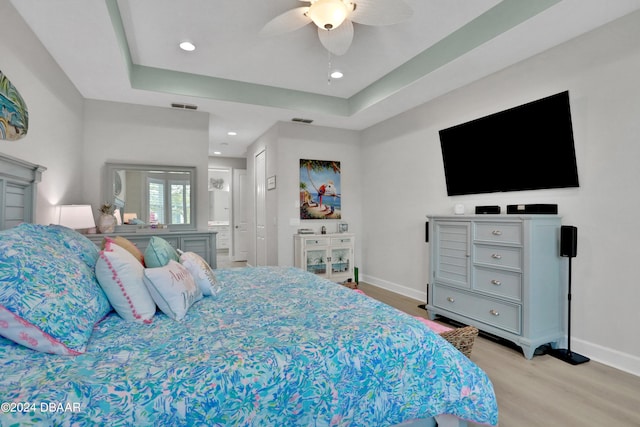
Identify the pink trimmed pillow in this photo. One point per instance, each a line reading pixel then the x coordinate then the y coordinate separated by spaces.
pixel 49 297
pixel 120 275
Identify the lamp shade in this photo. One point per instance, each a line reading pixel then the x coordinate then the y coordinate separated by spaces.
pixel 76 216
pixel 328 14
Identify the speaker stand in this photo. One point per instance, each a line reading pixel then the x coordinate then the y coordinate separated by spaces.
pixel 565 354
pixel 568 356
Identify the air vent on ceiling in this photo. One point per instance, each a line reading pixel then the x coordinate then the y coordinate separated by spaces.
pixel 184 106
pixel 298 119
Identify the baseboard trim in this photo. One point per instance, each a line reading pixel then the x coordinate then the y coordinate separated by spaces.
pixel 616 359
pixel 394 287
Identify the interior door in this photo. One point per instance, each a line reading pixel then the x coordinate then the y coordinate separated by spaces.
pixel 261 208
pixel 240 216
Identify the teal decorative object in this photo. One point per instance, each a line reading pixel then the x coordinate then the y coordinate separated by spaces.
pixel 14 117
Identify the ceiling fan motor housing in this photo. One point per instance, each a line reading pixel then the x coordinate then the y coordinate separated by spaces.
pixel 328 14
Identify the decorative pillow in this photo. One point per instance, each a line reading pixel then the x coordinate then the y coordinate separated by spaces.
pixel 82 247
pixel 202 273
pixel 120 276
pixel 172 288
pixel 49 297
pixel 159 252
pixel 125 244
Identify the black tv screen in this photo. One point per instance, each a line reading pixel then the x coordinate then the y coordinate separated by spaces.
pixel 529 147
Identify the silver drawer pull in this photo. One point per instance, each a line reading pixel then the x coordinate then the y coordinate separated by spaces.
pixel 496 282
pixel 451 299
pixel 494 312
pixel 496 256
pixel 496 233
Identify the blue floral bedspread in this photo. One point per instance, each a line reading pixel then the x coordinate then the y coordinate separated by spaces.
pixel 274 347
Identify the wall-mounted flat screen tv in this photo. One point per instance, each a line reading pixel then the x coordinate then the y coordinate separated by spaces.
pixel 529 147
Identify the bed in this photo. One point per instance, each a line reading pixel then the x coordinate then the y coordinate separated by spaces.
pixel 270 346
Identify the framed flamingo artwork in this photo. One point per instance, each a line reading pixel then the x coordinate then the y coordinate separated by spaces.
pixel 320 191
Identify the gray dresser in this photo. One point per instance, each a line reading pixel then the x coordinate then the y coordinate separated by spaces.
pixel 500 273
pixel 201 242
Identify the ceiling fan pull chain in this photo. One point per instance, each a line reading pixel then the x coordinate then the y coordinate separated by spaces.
pixel 328 68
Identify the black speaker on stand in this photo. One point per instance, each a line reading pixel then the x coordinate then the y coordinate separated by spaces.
pixel 568 248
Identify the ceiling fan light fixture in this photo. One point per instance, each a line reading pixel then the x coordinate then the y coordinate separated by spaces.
pixel 328 14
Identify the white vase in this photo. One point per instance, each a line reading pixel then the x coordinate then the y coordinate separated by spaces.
pixel 106 223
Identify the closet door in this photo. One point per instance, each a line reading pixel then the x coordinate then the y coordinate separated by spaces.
pixel 261 208
pixel 240 242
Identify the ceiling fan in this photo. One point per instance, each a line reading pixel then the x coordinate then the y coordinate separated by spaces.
pixel 335 18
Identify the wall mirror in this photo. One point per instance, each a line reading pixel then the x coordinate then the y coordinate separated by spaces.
pixel 151 194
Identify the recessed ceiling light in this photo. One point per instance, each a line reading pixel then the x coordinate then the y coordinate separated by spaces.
pixel 337 75
pixel 188 46
pixel 232 133
pixel 217 153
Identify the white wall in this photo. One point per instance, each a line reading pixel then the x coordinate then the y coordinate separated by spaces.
pixel 299 141
pixel 126 133
pixel 286 144
pixel 54 138
pixel 404 173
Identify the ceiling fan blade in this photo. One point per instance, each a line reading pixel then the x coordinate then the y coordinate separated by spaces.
pixel 338 40
pixel 289 21
pixel 380 12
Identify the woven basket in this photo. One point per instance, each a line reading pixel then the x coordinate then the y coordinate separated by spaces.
pixel 461 338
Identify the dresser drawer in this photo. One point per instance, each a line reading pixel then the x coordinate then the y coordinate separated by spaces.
pixel 498 256
pixel 337 241
pixel 501 283
pixel 499 232
pixel 499 314
pixel 312 241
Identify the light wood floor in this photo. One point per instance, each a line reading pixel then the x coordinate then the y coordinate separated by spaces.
pixel 545 391
pixel 223 260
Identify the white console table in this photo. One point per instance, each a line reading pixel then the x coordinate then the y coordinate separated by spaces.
pixel 327 255
pixel 499 273
pixel 201 242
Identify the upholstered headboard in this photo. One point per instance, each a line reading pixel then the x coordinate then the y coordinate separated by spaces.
pixel 18 181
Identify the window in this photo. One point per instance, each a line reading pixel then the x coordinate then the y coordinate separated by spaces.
pixel 180 202
pixel 169 199
pixel 155 192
